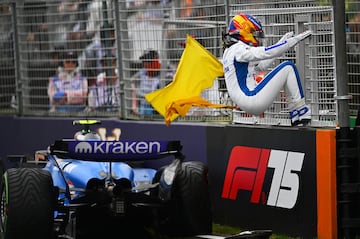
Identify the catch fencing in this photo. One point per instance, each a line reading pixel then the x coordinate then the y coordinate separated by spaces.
pixel 35 34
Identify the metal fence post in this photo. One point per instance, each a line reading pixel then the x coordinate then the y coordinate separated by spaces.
pixel 342 96
pixel 18 80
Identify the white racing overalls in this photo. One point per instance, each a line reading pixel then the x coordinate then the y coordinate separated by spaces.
pixel 242 63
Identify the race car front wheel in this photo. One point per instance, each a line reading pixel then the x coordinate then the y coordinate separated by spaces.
pixel 27 204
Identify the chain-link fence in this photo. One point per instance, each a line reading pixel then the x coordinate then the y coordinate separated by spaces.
pixel 108 40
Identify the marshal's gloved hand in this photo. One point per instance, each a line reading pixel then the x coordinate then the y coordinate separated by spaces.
pixel 299 37
pixel 286 36
pixel 303 35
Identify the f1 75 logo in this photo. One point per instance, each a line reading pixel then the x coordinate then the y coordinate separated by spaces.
pixel 247 169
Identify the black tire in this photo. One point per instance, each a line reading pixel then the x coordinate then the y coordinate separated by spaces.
pixel 27 204
pixel 192 214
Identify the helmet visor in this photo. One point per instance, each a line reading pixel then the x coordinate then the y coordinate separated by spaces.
pixel 258 34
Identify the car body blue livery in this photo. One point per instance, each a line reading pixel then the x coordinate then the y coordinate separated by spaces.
pixel 92 188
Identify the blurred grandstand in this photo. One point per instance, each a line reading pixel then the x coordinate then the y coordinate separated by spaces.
pixel 35 35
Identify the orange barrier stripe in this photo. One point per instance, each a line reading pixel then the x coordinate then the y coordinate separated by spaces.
pixel 326 184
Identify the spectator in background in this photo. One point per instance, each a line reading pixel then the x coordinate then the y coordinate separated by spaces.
pixel 104 95
pixel 100 16
pixel 68 89
pixel 91 63
pixel 57 58
pixel 353 29
pixel 147 80
pixel 191 9
pixel 63 19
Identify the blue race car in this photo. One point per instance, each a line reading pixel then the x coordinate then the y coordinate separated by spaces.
pixel 92 188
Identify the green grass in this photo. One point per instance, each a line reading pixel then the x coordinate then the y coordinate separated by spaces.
pixel 223 230
pixel 220 230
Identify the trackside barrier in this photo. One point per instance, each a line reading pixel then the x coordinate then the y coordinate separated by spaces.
pixel 326 183
pixel 275 178
pixel 261 178
pixel 348 171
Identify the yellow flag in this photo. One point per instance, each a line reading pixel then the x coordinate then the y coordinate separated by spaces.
pixel 196 71
pixel 181 107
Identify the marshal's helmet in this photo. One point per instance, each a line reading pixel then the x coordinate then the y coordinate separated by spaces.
pixel 245 28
